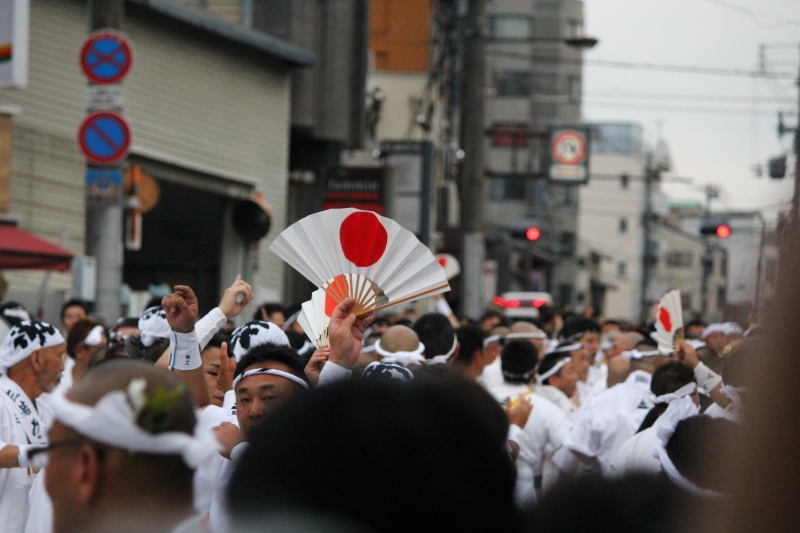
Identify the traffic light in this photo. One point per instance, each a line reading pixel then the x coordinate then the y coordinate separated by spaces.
pixel 777 167
pixel 533 234
pixel 718 228
pixel 530 234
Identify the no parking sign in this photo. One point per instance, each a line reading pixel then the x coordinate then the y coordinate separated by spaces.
pixel 106 56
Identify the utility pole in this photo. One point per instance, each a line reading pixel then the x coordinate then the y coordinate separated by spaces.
pixel 104 225
pixel 472 167
pixel 711 192
pixel 650 175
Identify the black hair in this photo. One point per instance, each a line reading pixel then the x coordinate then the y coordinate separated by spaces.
pixel 494 313
pixel 593 504
pixel 547 313
pixel 126 322
pixel 435 332
pixel 470 339
pixel 518 359
pixel 217 339
pixel 137 350
pixel 296 340
pixel 408 456
pixel 269 308
pixel 74 302
pixel 578 326
pixel 272 352
pixel 694 446
pixel 667 378
pixel 80 330
pixel 155 301
pixel 549 362
pixel 670 377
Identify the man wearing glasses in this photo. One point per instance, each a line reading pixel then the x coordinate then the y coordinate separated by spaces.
pixel 31 363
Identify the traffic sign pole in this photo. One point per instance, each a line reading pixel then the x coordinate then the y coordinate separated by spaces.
pixel 107 62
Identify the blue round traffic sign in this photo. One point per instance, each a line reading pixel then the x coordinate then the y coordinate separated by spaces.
pixel 106 56
pixel 104 138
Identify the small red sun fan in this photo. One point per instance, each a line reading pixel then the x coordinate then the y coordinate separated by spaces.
pixel 361 255
pixel 452 267
pixel 669 322
pixel 314 317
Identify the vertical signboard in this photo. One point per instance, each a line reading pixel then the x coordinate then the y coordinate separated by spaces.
pixel 358 187
pixel 569 154
pixel 412 164
pixel 14 15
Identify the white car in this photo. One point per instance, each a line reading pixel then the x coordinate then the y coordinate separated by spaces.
pixel 523 304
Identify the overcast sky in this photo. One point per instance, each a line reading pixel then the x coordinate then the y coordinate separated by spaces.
pixel 717 127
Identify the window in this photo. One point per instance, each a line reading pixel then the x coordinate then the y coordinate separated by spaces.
pixel 507 189
pixel 617 139
pixel 624 181
pixel 512 82
pixel 622 269
pixel 623 225
pixel 681 259
pixel 511 26
pixel 574 89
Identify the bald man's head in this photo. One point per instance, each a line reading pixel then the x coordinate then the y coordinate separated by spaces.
pixel 399 339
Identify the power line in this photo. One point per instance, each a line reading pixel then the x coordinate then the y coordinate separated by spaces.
pixel 704 110
pixel 690 97
pixel 754 17
pixel 687 69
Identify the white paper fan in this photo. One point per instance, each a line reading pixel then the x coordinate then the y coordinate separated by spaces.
pixel 362 255
pixel 669 322
pixel 450 264
pixel 314 318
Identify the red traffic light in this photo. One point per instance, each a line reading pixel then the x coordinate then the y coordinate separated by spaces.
pixel 533 234
pixel 723 231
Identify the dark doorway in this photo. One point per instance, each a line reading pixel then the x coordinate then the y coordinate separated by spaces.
pixel 181 243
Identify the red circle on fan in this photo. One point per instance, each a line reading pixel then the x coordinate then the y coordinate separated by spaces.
pixel 442 261
pixel 363 238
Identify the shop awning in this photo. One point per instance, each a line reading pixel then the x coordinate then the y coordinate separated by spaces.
pixel 22 250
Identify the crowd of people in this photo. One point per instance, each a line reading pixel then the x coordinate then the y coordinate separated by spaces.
pixel 176 422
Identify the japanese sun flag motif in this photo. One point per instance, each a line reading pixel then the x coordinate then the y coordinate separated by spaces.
pixel 669 322
pixel 314 317
pixel 361 255
pixel 450 264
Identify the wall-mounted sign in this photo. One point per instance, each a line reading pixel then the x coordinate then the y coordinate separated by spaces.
pixel 569 154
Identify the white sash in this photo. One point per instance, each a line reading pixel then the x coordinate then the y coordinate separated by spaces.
pixel 25 412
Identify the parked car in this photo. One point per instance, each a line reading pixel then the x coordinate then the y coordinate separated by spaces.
pixel 523 304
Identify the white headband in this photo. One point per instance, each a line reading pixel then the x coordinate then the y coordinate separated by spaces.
pixel 95 336
pixel 493 338
pixel 24 339
pixel 368 349
pixel 541 378
pixel 442 359
pixel 271 372
pixel 713 328
pixel 112 421
pixel 564 349
pixel 401 358
pixel 679 409
pixel 529 335
pixel 686 390
pixel 636 354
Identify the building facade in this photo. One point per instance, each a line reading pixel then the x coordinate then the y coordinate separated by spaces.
pixel 209 105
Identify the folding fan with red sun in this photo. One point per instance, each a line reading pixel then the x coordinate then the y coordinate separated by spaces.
pixel 361 255
pixel 450 264
pixel 314 317
pixel 669 322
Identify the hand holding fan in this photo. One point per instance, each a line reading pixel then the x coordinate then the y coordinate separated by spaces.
pixel 357 254
pixel 314 317
pixel 669 322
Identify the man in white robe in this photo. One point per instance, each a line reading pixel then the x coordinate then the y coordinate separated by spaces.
pixel 31 360
pixel 612 417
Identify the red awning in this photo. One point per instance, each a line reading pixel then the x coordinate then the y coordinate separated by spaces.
pixel 22 250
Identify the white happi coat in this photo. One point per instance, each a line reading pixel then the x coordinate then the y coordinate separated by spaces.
pixel 611 418
pixel 636 454
pixel 556 396
pixel 17 427
pixel 547 428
